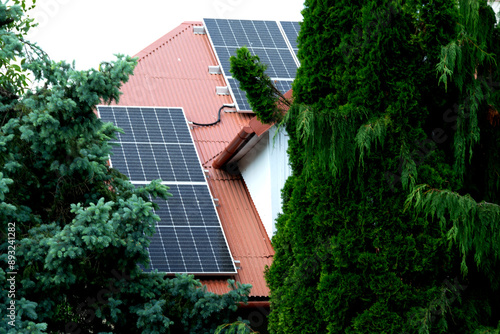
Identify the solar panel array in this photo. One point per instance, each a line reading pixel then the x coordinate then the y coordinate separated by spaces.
pixel 274 42
pixel 157 144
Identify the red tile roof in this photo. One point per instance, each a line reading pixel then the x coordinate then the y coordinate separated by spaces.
pixel 173 72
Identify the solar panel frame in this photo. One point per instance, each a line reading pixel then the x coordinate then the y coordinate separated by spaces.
pixel 202 202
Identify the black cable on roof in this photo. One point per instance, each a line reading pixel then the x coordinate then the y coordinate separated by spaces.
pixel 217 121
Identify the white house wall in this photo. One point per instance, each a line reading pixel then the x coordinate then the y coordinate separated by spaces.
pixel 280 169
pixel 265 169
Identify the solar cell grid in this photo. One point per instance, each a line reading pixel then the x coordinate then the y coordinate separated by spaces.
pixel 238 33
pixel 143 125
pixel 282 63
pixel 149 150
pixel 261 37
pixel 191 205
pixel 291 30
pixel 264 39
pixel 239 95
pixel 151 161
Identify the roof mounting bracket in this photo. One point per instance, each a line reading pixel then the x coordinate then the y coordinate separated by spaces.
pixel 214 69
pixel 199 30
pixel 222 90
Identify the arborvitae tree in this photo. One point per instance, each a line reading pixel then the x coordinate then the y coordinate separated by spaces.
pixel 391 219
pixel 73 229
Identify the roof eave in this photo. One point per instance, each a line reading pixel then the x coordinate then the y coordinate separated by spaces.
pixel 238 143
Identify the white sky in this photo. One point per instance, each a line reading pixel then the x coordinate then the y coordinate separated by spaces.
pixel 91 31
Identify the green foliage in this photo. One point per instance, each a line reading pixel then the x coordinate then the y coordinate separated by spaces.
pixel 266 101
pixel 237 327
pixel 462 60
pixel 81 228
pixel 362 246
pixel 13 28
pixel 474 225
pixel 369 134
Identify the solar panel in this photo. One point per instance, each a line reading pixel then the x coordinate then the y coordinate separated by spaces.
pixel 262 34
pixel 157 144
pixel 267 39
pixel 189 234
pixel 146 161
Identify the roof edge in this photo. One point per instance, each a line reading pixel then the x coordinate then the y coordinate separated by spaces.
pixel 230 150
pixel 166 38
pixel 239 141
